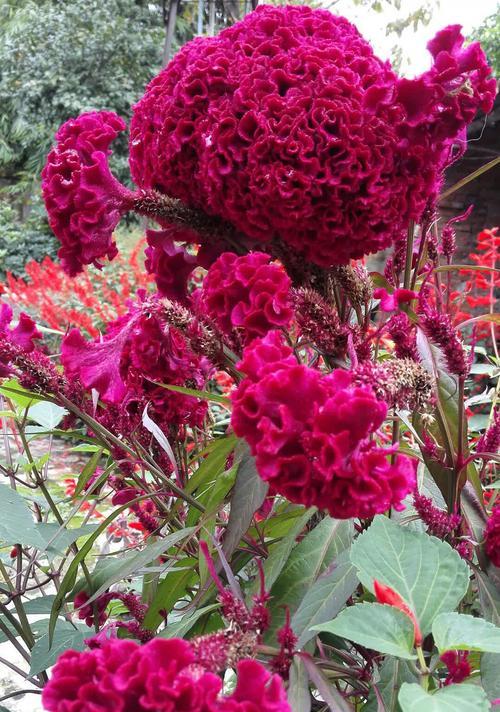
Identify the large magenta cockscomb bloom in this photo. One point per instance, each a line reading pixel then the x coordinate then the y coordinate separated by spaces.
pixel 84 200
pixel 162 675
pixel 492 537
pixel 288 126
pixel 249 293
pixel 310 434
pixel 139 351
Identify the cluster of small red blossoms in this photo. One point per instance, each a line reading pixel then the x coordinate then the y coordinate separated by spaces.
pixel 310 434
pixel 162 675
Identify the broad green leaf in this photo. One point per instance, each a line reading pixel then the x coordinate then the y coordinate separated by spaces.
pixel 376 626
pixel 279 552
pixel 19 395
pixel 490 677
pixel 66 637
pixel 325 598
pixel 46 414
pixel 248 495
pixel 457 631
pixel 489 597
pixel 40 605
pixel 393 672
pixel 16 520
pixel 181 628
pixel 427 573
pixel 317 550
pixel 453 698
pixel 299 696
pixel 56 539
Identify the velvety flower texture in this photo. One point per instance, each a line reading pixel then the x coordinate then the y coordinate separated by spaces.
pixel 492 537
pixel 84 200
pixel 139 348
pixel 12 338
pixel 160 676
pixel 287 126
pixel 310 434
pixel 248 293
pixel 170 264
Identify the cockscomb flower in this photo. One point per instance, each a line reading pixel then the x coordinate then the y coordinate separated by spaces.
pixel 249 293
pixel 138 351
pixel 287 126
pixel 162 675
pixel 310 434
pixel 440 330
pixel 492 537
pixel 387 595
pixel 458 664
pixel 170 264
pixel 84 201
pixel 13 339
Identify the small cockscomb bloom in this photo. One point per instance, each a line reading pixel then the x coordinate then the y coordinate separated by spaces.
pixel 250 294
pixel 388 596
pixel 492 537
pixel 439 523
pixel 13 339
pixel 319 322
pixel 170 264
pixel 458 664
pixel 401 383
pixel 139 351
pixel 310 434
pixel 489 442
pixel 162 675
pixel 84 201
pixel 287 126
pixel 402 332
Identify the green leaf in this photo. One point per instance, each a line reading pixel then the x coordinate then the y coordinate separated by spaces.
pixel 87 472
pixel 19 395
pixel 453 698
pixel 393 672
pixel 490 665
pixel 39 606
pixel 248 495
pixel 489 597
pixel 299 696
pixel 427 573
pixel 325 598
pixel 457 631
pixel 16 521
pixel 376 626
pixel 134 563
pixel 317 550
pixel 66 637
pixel 279 553
pixel 182 627
pixel 213 464
pixel 170 590
pixel 46 414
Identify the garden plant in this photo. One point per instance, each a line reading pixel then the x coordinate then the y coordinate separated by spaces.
pixel 288 500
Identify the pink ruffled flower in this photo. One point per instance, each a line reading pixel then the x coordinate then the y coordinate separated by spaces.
pixel 492 537
pixel 170 264
pixel 138 350
pixel 83 199
pixel 392 302
pixel 248 293
pixel 310 434
pixel 287 126
pixel 20 337
pixel 162 675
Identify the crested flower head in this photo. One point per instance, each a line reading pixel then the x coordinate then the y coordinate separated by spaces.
pixel 162 675
pixel 492 537
pixel 287 126
pixel 83 199
pixel 310 434
pixel 249 293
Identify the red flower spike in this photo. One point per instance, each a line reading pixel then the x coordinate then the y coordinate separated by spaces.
pixel 387 595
